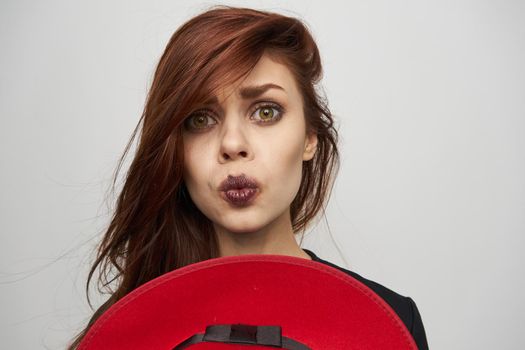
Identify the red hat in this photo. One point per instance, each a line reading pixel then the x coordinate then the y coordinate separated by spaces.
pixel 252 302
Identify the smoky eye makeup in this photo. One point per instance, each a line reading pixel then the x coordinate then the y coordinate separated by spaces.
pixel 267 112
pixel 262 112
pixel 199 120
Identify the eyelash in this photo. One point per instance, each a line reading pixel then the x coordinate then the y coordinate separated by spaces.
pixel 208 113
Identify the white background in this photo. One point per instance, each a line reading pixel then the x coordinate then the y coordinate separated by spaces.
pixel 429 99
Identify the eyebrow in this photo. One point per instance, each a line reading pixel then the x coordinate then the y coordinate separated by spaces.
pixel 250 92
pixel 255 91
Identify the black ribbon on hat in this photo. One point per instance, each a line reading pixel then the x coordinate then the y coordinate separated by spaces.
pixel 244 334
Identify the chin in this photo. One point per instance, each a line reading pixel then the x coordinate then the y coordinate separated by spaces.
pixel 242 226
pixel 242 229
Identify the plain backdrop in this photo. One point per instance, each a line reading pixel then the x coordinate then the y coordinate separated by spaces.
pixel 429 98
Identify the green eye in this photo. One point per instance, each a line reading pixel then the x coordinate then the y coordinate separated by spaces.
pixel 203 119
pixel 198 121
pixel 267 113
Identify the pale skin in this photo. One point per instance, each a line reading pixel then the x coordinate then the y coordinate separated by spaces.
pixel 230 139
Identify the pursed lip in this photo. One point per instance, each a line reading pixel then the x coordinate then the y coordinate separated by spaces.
pixel 238 182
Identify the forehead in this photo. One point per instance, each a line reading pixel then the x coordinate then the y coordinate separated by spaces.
pixel 267 75
pixel 268 69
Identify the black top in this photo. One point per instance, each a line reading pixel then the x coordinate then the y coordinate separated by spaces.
pixel 405 307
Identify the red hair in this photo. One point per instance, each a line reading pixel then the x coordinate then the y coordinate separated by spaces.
pixel 156 227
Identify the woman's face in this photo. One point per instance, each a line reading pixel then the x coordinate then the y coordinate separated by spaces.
pixel 259 133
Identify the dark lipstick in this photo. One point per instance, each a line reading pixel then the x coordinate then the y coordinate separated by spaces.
pixel 239 190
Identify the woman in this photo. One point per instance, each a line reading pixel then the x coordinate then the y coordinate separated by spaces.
pixel 237 155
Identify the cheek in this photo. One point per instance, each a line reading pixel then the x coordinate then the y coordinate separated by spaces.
pixel 196 166
pixel 284 165
pixel 197 175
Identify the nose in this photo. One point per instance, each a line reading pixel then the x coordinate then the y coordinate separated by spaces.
pixel 233 140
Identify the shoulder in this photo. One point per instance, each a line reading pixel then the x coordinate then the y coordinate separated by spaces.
pixel 404 306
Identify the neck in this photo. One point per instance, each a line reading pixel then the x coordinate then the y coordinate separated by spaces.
pixel 277 238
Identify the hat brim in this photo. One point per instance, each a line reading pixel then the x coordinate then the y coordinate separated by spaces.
pixel 314 304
